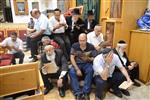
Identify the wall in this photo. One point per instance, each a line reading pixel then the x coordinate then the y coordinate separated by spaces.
pixel 43 5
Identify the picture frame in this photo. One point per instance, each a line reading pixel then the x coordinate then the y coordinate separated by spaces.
pixel 21 7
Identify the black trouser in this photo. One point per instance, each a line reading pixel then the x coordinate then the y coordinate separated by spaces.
pixel 19 55
pixel 54 76
pixel 28 40
pixel 64 43
pixel 34 46
pixel 112 82
pixel 134 73
pixel 73 37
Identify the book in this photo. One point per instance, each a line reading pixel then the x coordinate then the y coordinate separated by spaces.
pixel 50 68
pixel 125 85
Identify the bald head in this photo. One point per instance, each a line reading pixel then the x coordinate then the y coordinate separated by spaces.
pixel 82 39
pixel 35 13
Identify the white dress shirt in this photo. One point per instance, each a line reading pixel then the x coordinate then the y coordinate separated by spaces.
pixel 93 39
pixel 42 24
pixel 53 22
pixel 99 64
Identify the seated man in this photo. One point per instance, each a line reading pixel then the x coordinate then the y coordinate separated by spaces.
pixel 131 67
pixel 104 65
pixel 81 59
pixel 56 57
pixel 96 38
pixel 47 41
pixel 15 47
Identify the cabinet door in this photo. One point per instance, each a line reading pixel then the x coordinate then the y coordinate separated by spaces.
pixel 109 32
pixel 139 51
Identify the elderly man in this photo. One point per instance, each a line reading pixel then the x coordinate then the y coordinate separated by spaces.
pixel 132 67
pixel 56 58
pixel 57 24
pixel 42 29
pixel 104 65
pixel 15 47
pixel 81 59
pixel 96 38
pixel 75 26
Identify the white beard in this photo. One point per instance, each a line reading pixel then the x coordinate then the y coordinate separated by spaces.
pixel 51 57
pixel 120 52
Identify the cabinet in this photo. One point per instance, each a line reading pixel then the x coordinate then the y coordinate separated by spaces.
pixel 112 30
pixel 139 51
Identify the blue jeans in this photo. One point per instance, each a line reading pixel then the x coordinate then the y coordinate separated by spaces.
pixel 87 71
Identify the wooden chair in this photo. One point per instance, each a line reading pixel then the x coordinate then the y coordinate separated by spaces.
pixel 21 78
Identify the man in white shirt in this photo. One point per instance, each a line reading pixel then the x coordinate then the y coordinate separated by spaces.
pixel 15 47
pixel 56 57
pixel 96 37
pixel 42 29
pixel 104 65
pixel 57 25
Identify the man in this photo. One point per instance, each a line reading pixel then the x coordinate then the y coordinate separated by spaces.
pixel 96 37
pixel 57 24
pixel 44 42
pixel 104 65
pixel 90 22
pixel 81 59
pixel 56 57
pixel 42 29
pixel 15 47
pixel 131 67
pixel 75 26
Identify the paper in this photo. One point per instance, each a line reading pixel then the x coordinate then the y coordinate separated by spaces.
pixel 49 68
pixel 125 85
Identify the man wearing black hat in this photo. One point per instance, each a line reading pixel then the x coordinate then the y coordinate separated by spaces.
pixel 90 22
pixel 75 26
pixel 105 77
pixel 132 67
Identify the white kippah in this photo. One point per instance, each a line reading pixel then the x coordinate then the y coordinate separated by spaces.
pixel 122 45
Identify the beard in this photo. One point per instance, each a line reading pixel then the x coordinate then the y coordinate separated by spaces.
pixel 51 57
pixel 121 52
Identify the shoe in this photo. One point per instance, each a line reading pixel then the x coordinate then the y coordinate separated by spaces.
pixel 116 93
pixel 78 97
pixel 125 92
pixel 86 96
pixel 136 84
pixel 61 92
pixel 46 91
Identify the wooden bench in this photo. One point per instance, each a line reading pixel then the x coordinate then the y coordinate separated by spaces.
pixel 21 78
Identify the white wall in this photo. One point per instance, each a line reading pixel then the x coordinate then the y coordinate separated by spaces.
pixel 43 5
pixel 148 5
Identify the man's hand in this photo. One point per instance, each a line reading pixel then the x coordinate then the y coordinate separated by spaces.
pixel 109 58
pixel 59 82
pixel 79 73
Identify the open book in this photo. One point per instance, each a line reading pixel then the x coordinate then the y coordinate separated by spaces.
pixel 49 68
pixel 125 85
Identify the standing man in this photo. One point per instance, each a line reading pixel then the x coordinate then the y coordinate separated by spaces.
pixel 81 59
pixel 57 24
pixel 105 77
pixel 42 28
pixel 15 47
